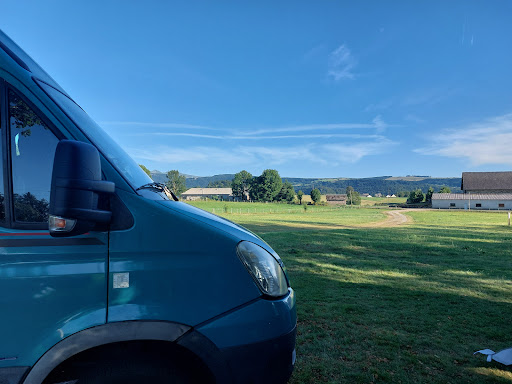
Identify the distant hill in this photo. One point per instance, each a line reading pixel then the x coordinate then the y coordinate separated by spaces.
pixel 372 185
pixel 202 182
pixel 161 177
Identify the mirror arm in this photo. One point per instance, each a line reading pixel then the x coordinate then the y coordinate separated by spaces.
pixel 93 215
pixel 100 186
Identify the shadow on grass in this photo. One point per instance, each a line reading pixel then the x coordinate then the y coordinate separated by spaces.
pixel 407 304
pixel 353 332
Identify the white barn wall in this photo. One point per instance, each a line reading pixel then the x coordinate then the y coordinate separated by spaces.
pixel 464 204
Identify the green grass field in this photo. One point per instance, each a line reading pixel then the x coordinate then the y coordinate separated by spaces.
pixel 262 218
pixel 405 304
pixel 370 201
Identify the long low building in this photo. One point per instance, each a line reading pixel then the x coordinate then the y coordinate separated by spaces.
pixel 472 201
pixel 339 199
pixel 225 194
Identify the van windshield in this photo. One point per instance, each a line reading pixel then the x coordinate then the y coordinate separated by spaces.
pixel 105 144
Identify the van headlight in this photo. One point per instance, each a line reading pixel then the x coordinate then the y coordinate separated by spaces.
pixel 264 269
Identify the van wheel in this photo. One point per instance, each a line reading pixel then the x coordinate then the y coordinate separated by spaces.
pixel 135 362
pixel 126 373
pixel 129 373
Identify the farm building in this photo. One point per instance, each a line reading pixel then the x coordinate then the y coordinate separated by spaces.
pixel 336 199
pixel 472 200
pixel 481 190
pixel 225 194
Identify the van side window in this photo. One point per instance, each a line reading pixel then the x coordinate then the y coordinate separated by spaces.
pixel 32 146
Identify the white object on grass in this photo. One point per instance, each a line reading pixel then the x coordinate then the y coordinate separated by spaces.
pixel 503 357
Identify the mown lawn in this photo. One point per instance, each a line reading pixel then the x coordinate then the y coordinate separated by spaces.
pixel 407 304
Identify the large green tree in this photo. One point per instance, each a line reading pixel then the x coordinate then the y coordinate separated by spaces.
pixel 241 184
pixel 353 197
pixel 176 182
pixel 445 189
pixel 287 193
pixel 315 195
pixel 428 196
pixel 415 197
pixel 299 196
pixel 266 187
pixel 148 172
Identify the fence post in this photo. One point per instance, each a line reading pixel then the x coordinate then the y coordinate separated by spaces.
pixel 509 219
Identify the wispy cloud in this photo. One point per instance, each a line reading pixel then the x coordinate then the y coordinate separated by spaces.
pixel 286 132
pixel 246 155
pixel 341 63
pixel 326 145
pixel 259 137
pixel 376 123
pixel 379 124
pixel 354 152
pixel 486 142
pixel 145 124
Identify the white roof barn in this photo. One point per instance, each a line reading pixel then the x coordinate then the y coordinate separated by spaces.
pixel 482 190
pixel 202 193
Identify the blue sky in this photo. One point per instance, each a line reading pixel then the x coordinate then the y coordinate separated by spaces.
pixel 312 89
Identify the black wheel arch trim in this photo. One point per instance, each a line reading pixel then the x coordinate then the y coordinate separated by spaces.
pixel 209 353
pixel 102 335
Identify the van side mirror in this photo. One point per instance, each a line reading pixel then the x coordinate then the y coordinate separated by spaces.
pixel 76 184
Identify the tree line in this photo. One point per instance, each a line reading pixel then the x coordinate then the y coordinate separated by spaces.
pixel 267 187
pixel 270 187
pixel 417 196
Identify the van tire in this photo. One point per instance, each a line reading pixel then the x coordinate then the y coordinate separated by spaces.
pixel 135 363
pixel 128 373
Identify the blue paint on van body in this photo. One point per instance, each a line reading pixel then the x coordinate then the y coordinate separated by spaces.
pixel 182 263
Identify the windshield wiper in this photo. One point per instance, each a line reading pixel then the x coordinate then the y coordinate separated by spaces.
pixel 161 188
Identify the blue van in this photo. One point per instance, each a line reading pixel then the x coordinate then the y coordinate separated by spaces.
pixel 104 276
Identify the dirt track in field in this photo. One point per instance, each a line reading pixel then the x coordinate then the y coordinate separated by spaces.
pixel 395 218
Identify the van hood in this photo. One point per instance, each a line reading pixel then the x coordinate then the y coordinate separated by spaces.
pixel 225 225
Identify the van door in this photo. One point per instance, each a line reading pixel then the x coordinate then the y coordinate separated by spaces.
pixel 50 287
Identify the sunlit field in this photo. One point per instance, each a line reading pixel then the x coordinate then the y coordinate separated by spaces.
pixel 261 217
pixel 404 304
pixel 370 201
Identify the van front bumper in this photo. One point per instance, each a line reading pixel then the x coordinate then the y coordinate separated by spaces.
pixel 252 344
pixel 269 361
